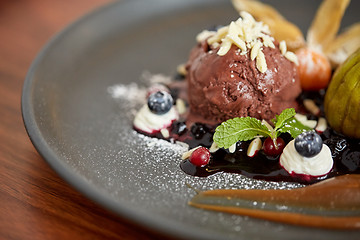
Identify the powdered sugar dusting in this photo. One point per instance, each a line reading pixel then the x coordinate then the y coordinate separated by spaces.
pixel 135 93
pixel 132 96
pixel 150 168
pixel 149 78
pixel 129 92
pixel 169 152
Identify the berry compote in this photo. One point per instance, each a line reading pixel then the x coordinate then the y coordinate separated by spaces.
pixel 345 151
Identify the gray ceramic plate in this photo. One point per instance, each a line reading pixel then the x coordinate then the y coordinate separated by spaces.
pixel 84 131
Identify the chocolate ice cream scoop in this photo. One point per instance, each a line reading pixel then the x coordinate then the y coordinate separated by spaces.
pixel 228 86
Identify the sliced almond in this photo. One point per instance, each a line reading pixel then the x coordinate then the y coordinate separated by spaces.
pixel 254 146
pixel 214 147
pixel 303 119
pixel 220 34
pixel 268 42
pixel 187 154
pixel 225 47
pixel 282 46
pixel 255 50
pixel 321 125
pixel 165 133
pixel 300 117
pixel 292 57
pixel 238 42
pixel 280 28
pixel 311 106
pixel 180 106
pixel 232 148
pixel 261 62
pixel 310 123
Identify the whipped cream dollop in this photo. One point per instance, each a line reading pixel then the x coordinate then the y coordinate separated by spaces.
pixel 317 165
pixel 149 122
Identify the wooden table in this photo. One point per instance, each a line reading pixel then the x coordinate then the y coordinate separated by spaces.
pixel 35 203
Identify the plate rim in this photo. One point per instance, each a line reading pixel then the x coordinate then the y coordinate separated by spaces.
pixel 81 184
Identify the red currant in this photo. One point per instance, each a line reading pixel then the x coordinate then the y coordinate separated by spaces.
pixel 200 157
pixel 270 149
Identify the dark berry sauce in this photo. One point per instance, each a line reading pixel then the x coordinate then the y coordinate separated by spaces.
pixel 345 151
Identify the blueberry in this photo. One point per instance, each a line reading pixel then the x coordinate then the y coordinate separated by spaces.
pixel 180 128
pixel 308 144
pixel 160 102
pixel 198 130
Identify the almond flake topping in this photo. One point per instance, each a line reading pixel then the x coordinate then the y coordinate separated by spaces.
pixel 249 36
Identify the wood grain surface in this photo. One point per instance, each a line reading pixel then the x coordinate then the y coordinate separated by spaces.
pixel 35 203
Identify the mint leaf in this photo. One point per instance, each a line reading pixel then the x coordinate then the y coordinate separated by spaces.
pixel 239 129
pixel 247 128
pixel 284 116
pixel 293 127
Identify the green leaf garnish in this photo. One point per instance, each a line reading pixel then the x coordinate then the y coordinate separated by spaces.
pixel 293 127
pixel 285 115
pixel 247 128
pixel 239 129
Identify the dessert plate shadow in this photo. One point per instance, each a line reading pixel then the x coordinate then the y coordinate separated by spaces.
pixel 84 130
